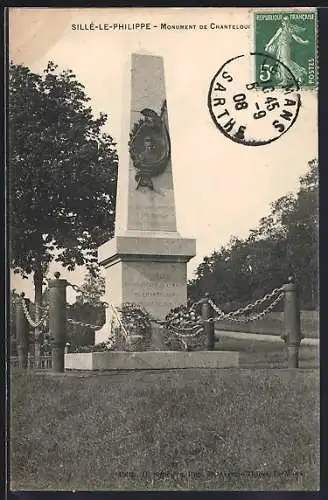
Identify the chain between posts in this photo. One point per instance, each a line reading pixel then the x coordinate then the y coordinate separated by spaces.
pixel 76 289
pixel 82 323
pixel 233 316
pixel 197 330
pixel 258 316
pixel 191 331
pixel 32 323
pixel 182 322
pixel 98 327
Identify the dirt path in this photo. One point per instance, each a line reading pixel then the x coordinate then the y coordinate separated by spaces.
pixel 260 337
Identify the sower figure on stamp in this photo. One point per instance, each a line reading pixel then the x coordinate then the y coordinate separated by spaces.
pixel 280 47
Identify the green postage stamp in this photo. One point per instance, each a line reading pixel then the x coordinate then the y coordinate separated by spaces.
pixel 291 38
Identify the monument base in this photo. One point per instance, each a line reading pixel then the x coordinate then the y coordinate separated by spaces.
pixel 148 269
pixel 151 360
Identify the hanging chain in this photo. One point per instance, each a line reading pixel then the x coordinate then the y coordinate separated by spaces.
pixel 81 323
pixel 245 319
pixel 33 324
pixel 197 330
pixel 216 308
pixel 238 316
pixel 269 308
pixel 77 289
pixel 247 308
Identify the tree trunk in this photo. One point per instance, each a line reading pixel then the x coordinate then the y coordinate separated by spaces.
pixel 38 282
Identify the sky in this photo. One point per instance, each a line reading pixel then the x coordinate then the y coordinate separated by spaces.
pixel 221 188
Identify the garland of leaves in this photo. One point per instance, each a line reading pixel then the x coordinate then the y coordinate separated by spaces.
pixel 137 322
pixel 184 329
pixel 135 316
pixel 183 318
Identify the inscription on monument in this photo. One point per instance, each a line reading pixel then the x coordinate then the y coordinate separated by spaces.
pixel 158 286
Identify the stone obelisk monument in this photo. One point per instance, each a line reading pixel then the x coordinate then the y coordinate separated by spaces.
pixel 146 261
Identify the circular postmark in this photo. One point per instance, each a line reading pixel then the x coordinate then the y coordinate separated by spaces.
pixel 254 111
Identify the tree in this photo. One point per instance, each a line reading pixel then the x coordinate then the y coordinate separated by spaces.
pixel 91 314
pixel 285 242
pixel 88 309
pixel 93 288
pixel 62 174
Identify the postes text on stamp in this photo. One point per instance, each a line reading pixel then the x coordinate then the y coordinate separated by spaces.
pixel 247 113
pixel 290 37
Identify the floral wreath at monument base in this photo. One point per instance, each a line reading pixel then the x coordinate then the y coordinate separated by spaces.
pixel 184 329
pixel 135 316
pixel 134 331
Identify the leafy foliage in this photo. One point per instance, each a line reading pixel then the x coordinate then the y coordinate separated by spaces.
pixel 184 329
pixel 88 308
pixel 137 323
pixel 62 173
pixel 88 313
pixel 93 288
pixel 285 242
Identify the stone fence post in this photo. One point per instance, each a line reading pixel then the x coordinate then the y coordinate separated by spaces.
pixel 57 321
pixel 22 332
pixel 207 315
pixel 292 322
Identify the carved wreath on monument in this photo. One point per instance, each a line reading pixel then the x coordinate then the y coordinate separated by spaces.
pixel 149 146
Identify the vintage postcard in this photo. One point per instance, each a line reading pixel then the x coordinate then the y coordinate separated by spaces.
pixel 163 203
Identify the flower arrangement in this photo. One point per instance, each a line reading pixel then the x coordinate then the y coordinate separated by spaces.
pixel 183 318
pixel 137 324
pixel 135 317
pixel 184 329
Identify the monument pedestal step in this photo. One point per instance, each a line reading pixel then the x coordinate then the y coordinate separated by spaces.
pixel 151 360
pixel 149 271
pixel 146 247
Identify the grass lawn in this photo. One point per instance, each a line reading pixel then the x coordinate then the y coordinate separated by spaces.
pixel 195 429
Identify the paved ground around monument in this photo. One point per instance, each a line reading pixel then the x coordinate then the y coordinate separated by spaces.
pixel 231 429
